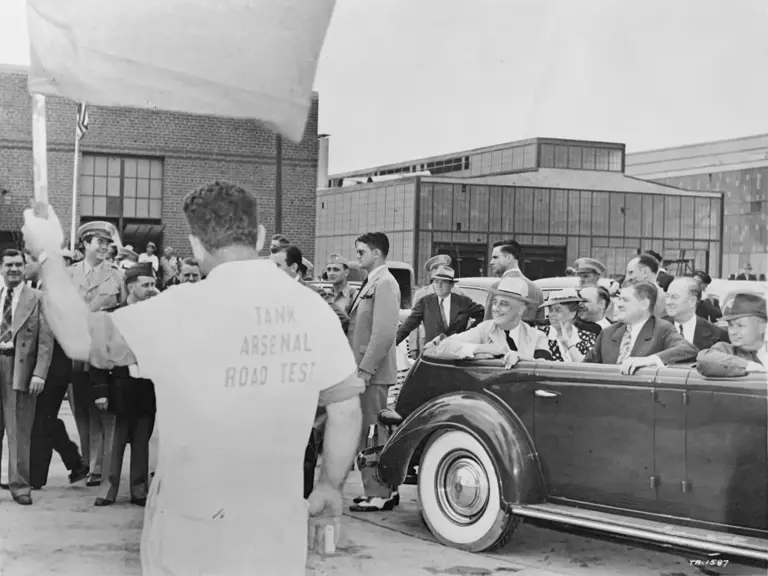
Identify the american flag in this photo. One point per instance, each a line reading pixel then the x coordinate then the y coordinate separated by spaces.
pixel 82 120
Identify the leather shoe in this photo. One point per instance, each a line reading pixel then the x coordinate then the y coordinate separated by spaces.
pixel 94 480
pixel 23 499
pixel 103 502
pixel 374 505
pixel 79 473
pixel 395 496
pixel 139 501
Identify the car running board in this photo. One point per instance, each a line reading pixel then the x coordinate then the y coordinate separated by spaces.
pixel 696 538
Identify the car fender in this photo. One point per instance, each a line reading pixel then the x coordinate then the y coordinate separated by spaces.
pixel 495 426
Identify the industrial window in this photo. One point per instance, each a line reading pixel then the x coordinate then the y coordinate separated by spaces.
pixel 547 156
pixel 114 186
pixel 588 158
pixel 561 156
pixel 614 161
pixel 601 159
pixel 574 157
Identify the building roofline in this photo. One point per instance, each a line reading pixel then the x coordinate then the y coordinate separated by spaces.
pixel 469 152
pixel 14 69
pixel 689 146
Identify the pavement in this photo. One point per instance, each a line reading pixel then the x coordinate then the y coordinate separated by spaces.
pixel 63 533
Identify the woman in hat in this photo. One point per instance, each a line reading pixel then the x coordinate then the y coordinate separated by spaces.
pixel 567 343
pixel 504 335
pixel 747 351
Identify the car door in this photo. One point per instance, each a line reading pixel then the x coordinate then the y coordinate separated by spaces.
pixel 593 430
pixel 727 450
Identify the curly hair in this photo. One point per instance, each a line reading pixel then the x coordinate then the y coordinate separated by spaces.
pixel 222 214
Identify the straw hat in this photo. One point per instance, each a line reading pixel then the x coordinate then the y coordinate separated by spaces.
pixel 563 296
pixel 513 288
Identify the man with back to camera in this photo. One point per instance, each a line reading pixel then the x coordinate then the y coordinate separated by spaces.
pixel 505 263
pixel 101 285
pixel 639 338
pixel 644 268
pixel 373 319
pixel 259 350
pixel 683 298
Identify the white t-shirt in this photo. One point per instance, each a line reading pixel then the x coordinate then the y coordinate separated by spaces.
pixel 153 259
pixel 252 349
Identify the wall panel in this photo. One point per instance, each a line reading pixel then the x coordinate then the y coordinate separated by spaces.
pixel 558 212
pixel 523 211
pixel 617 214
pixel 633 214
pixel 478 210
pixel 585 214
pixel 601 205
pixel 496 214
pixel 442 205
pixel 508 213
pixel 460 207
pixel 541 210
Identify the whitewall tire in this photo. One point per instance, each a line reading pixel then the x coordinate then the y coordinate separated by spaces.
pixel 459 494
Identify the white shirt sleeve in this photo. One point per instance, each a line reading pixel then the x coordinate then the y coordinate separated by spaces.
pixel 335 361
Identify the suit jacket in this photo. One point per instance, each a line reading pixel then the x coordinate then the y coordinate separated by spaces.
pixel 532 342
pixel 427 311
pixel 533 313
pixel 373 319
pixel 724 360
pixel 657 337
pixel 32 339
pixel 340 314
pixel 706 334
pixel 709 310
pixel 429 289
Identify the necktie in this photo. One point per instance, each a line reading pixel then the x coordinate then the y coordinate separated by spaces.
pixel 625 347
pixel 680 326
pixel 510 341
pixel 443 312
pixel 6 326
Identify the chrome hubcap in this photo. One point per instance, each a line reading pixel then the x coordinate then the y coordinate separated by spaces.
pixel 462 487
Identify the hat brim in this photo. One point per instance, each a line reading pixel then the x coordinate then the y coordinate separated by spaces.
pixel 588 271
pixel 562 301
pixel 729 317
pixel 513 295
pixel 444 279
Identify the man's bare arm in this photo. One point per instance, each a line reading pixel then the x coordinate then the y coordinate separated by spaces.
pixel 342 429
pixel 65 310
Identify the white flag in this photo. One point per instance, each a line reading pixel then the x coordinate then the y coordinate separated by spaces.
pixel 242 58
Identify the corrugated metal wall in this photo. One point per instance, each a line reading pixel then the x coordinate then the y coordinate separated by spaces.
pixel 344 214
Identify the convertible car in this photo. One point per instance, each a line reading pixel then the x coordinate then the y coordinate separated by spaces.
pixel 664 455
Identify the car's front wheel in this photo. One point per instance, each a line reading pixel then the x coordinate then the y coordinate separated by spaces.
pixel 459 494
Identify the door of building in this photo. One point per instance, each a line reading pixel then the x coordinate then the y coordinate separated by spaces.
pixel 467 260
pixel 543 261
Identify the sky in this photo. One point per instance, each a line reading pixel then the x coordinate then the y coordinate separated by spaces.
pixel 404 79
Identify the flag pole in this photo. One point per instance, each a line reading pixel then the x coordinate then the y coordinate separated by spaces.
pixel 75 174
pixel 39 148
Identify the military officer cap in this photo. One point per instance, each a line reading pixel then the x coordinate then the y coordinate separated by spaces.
pixel 338 259
pixel 143 269
pixel 97 228
pixel 589 266
pixel 439 260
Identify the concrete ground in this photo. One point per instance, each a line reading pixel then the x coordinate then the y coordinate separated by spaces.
pixel 63 533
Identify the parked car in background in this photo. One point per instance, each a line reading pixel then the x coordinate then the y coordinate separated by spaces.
pixel 664 455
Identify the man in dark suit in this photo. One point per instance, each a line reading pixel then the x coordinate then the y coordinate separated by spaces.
pixel 638 338
pixel 441 312
pixel 683 298
pixel 708 308
pixel 26 342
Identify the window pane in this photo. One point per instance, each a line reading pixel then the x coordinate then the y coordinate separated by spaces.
pixel 588 161
pixel 143 168
pixel 113 187
pixel 475 164
pixel 574 156
pixel 101 166
pixel 529 156
pixel 601 159
pixel 547 159
pixel 86 165
pixel 100 206
pixel 100 186
pixel 86 205
pixel 142 188
pixel 155 188
pixel 561 156
pixel 517 158
pixel 113 206
pixel 129 207
pixel 496 161
pixel 129 188
pixel 155 209
pixel 86 185
pixel 114 166
pixel 486 165
pixel 142 208
pixel 614 161
pixel 157 169
pixel 130 167
pixel 506 159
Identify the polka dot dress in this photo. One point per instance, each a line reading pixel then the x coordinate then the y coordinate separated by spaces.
pixel 584 345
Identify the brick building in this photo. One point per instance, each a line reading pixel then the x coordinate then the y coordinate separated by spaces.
pixel 739 169
pixel 137 166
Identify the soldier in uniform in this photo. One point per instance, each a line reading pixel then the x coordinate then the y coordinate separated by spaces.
pixel 128 407
pixel 589 271
pixel 342 294
pixel 101 285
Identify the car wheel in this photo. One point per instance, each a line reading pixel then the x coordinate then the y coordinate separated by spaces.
pixel 459 494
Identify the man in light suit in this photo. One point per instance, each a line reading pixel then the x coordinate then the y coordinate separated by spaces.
pixel 638 338
pixel 26 343
pixel 683 299
pixel 373 318
pixel 101 285
pixel 505 263
pixel 441 312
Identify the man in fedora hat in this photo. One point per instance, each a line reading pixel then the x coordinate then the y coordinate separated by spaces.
pixel 747 352
pixel 505 335
pixel 416 340
pixel 441 312
pixel 589 271
pixel 101 285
